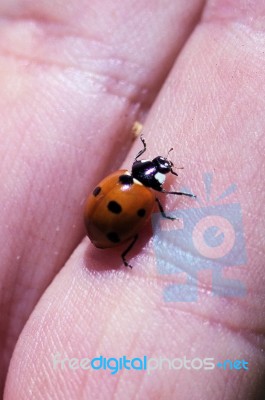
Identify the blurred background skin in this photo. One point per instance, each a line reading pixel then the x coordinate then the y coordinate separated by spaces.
pixel 74 77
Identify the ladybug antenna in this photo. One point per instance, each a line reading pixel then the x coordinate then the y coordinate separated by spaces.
pixel 169 151
pixel 173 172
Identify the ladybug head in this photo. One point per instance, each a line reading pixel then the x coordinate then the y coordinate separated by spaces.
pixel 163 165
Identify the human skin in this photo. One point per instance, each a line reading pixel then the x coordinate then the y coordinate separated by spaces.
pixel 74 77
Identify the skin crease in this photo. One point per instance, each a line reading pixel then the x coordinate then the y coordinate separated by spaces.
pixel 65 91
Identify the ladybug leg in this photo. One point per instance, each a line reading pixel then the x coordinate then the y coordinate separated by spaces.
pixel 143 150
pixel 179 193
pixel 162 210
pixel 174 173
pixel 126 251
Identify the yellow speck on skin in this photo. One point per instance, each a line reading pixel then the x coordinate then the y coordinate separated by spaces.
pixel 137 129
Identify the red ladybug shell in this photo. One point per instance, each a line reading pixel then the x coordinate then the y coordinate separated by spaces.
pixel 116 212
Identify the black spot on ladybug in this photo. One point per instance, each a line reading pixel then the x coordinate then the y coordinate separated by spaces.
pixel 141 212
pixel 113 237
pixel 114 207
pixel 126 179
pixel 96 191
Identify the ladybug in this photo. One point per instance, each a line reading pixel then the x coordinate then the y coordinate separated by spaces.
pixel 120 204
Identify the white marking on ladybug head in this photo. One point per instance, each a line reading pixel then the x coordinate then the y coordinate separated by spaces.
pixel 160 177
pixel 137 182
